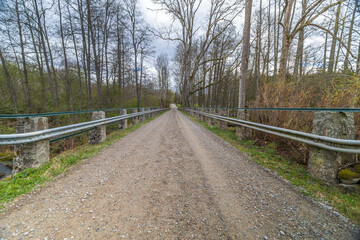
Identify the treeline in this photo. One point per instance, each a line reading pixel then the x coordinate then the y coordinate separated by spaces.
pixel 76 54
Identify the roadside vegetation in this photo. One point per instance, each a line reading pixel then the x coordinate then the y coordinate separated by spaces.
pixel 31 178
pixel 268 156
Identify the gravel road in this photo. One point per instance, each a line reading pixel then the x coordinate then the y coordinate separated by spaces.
pixel 171 179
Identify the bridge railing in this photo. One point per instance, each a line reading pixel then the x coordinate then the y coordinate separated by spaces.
pixel 327 154
pixel 21 138
pixel 33 135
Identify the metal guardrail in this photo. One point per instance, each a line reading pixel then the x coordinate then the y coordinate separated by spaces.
pixel 328 143
pixel 20 138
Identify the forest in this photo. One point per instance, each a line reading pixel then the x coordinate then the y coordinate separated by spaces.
pixel 81 54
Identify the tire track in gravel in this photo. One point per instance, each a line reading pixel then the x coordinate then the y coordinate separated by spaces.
pixel 171 179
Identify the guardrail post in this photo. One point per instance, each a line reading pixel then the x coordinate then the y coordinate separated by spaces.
pixel 98 134
pixel 324 164
pixel 123 123
pixel 221 124
pixel 135 119
pixel 242 132
pixel 35 154
pixel 142 117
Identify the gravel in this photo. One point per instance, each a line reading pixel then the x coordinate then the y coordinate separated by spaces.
pixel 171 179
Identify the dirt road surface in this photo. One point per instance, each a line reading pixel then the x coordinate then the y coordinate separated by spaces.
pixel 171 179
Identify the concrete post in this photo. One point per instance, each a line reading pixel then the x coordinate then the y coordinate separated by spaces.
pixel 242 132
pixel 142 117
pixel 135 119
pixel 31 155
pixel 123 123
pixel 221 124
pixel 98 134
pixel 324 164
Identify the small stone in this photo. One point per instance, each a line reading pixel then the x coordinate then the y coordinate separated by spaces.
pixel 282 233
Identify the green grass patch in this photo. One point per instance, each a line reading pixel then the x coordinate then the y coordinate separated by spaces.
pixel 346 203
pixel 30 179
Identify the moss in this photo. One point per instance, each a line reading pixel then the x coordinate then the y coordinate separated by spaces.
pixel 348 174
pixel 357 168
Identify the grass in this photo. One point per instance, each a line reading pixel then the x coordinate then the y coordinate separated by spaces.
pixel 344 202
pixel 31 179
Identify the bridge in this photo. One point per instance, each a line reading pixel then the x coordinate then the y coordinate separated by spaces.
pixel 171 179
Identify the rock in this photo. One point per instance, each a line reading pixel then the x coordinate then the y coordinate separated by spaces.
pixel 348 176
pixel 324 164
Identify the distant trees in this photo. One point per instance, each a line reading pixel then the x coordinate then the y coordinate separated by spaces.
pixel 163 71
pixel 193 51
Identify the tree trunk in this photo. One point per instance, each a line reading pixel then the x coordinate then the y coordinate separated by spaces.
pixel 333 43
pixel 346 61
pixel 245 54
pixel 285 41
pixel 26 80
pixel 9 83
pixel 76 51
pixel 67 77
pixel 300 49
pixel 43 44
pixel 96 57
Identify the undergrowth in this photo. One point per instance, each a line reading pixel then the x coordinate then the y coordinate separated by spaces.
pixel 30 179
pixel 267 156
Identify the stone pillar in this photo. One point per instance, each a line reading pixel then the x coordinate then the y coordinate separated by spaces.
pixel 197 115
pixel 203 118
pixel 242 132
pixel 147 116
pixel 324 164
pixel 142 117
pixel 212 121
pixel 97 135
pixel 221 124
pixel 135 119
pixel 35 154
pixel 123 123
